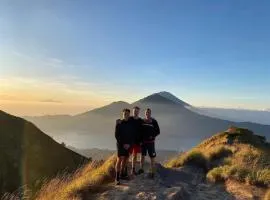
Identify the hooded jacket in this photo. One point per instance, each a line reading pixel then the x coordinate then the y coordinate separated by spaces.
pixel 124 132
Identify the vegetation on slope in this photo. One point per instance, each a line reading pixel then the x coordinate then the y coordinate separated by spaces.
pixel 267 195
pixel 90 177
pixel 28 156
pixel 235 154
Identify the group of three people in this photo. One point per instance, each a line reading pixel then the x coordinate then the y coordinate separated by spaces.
pixel 135 135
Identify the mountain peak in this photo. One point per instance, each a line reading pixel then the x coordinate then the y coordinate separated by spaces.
pixel 173 98
pixel 163 97
pixel 155 98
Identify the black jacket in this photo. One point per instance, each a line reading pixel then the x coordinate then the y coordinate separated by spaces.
pixel 124 132
pixel 150 130
pixel 137 125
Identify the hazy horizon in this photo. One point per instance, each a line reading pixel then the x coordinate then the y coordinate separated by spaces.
pixel 68 57
pixel 78 109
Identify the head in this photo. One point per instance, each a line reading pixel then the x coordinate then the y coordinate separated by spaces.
pixel 148 113
pixel 136 111
pixel 125 113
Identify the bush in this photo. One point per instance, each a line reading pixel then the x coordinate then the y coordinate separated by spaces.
pixel 193 158
pixel 259 177
pixel 238 173
pixel 219 153
pixel 217 174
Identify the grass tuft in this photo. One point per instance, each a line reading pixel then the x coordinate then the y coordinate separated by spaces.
pixel 193 158
pixel 88 177
pixel 267 195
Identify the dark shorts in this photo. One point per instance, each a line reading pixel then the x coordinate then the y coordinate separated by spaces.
pixel 150 148
pixel 121 151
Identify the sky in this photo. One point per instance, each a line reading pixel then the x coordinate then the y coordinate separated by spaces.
pixel 66 56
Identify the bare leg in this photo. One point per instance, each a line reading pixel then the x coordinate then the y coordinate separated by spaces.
pixel 142 161
pixel 134 160
pixel 118 164
pixel 118 169
pixel 123 164
pixel 152 165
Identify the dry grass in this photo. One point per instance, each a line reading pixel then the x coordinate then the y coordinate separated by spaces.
pixel 195 158
pixel 219 153
pixel 67 187
pixel 267 195
pixel 234 155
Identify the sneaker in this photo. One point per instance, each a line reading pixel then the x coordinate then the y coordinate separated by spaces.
pixel 141 171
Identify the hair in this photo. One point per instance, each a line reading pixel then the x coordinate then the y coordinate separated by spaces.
pixel 148 109
pixel 126 110
pixel 136 107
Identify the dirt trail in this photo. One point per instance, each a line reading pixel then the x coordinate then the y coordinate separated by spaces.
pixel 169 184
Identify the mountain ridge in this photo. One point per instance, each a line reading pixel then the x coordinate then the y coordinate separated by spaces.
pixel 179 123
pixel 28 155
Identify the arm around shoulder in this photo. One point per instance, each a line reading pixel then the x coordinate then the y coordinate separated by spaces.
pixel 156 127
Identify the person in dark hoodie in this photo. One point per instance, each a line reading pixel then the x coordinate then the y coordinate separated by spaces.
pixel 124 134
pixel 136 147
pixel 150 130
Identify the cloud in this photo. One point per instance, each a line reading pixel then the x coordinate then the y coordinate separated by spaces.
pixel 50 101
pixel 54 62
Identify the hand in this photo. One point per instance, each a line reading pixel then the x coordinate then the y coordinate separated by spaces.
pixel 126 146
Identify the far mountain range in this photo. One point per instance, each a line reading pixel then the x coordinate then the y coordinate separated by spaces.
pixel 182 125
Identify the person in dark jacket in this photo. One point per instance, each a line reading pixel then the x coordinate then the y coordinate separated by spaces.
pixel 124 134
pixel 150 130
pixel 136 147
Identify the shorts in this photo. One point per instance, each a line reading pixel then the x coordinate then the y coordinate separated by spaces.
pixel 135 148
pixel 121 151
pixel 150 148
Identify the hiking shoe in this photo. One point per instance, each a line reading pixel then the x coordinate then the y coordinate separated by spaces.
pixel 141 171
pixel 134 173
pixel 117 182
pixel 125 178
pixel 151 175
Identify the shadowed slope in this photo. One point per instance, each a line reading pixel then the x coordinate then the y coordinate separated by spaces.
pixel 27 155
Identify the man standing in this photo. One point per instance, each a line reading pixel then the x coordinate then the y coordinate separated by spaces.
pixel 150 130
pixel 136 147
pixel 124 134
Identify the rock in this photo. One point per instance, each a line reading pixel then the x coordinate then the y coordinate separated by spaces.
pixel 176 193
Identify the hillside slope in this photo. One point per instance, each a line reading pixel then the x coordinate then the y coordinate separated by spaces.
pixel 190 176
pixel 28 155
pixel 234 157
